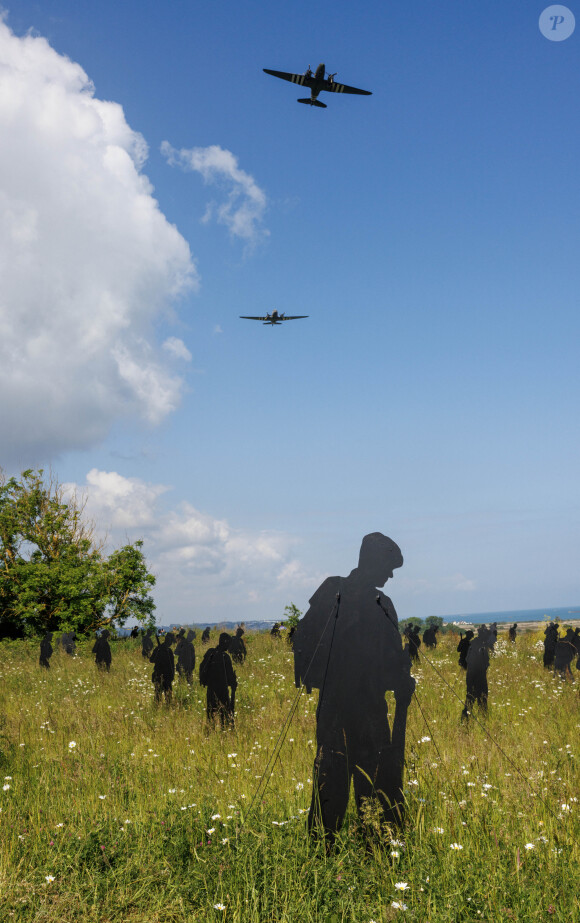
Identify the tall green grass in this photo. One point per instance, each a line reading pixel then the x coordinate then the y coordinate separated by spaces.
pixel 120 811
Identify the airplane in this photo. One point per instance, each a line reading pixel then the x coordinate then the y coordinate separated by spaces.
pixel 315 83
pixel 274 318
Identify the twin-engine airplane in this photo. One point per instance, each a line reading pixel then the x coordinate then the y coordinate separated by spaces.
pixel 315 83
pixel 274 318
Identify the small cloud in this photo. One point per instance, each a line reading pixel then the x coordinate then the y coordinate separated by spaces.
pixel 217 329
pixel 177 348
pixel 243 211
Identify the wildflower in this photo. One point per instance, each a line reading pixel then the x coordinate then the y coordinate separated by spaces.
pixel 72 744
pixel 530 846
pixel 425 740
pixel 220 906
pixel 455 846
pixel 49 878
pixel 564 807
pixel 102 797
pixel 210 831
pixel 225 840
pixel 401 885
pixel 8 778
pixel 438 830
pixel 395 853
pixel 172 791
pixel 60 825
pixel 299 786
pixel 398 905
pixel 6 787
pixel 215 816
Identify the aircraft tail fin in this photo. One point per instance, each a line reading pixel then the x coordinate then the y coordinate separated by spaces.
pixel 312 102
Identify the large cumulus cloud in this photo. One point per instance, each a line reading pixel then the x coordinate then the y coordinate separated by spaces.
pixel 87 261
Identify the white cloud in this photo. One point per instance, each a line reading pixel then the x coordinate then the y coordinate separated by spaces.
pixel 177 348
pixel 87 260
pixel 202 563
pixel 243 211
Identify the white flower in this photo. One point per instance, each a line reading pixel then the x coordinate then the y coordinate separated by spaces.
pixel 172 791
pixel 438 830
pixel 398 905
pixel 49 878
pixel 530 846
pixel 220 906
pixel 425 740
pixel 565 807
pixel 401 885
pixel 455 846
pixel 72 744
pixel 395 853
pixel 299 786
pixel 60 825
pixel 225 840
pixel 8 778
pixel 210 831
pixel 102 797
pixel 6 787
pixel 215 816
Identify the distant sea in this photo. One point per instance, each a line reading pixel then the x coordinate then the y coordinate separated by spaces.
pixel 517 615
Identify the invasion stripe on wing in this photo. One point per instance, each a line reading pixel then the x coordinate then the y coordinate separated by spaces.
pixel 298 78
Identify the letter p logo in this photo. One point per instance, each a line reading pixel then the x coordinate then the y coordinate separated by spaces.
pixel 557 23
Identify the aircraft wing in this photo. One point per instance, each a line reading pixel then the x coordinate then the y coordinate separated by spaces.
pixel 293 317
pixel 246 317
pixel 343 88
pixel 300 79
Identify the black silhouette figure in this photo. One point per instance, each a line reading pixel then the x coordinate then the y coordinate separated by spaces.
pixel 550 641
pixel 412 635
pixel 463 648
pixel 46 650
pixel 477 660
pixel 205 635
pixel 576 643
pixel 147 644
pixel 513 632
pixel 275 630
pixel 186 656
pixel 237 647
pixel 102 651
pixel 350 649
pixel 163 669
pixel 290 636
pixel 492 635
pixel 217 673
pixel 430 637
pixel 68 642
pixel 135 632
pixel 564 655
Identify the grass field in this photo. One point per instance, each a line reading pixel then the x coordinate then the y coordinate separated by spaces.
pixel 115 810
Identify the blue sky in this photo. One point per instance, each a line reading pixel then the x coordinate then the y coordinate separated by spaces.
pixel 429 231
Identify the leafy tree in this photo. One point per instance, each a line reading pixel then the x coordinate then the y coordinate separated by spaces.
pixel 292 615
pixel 53 573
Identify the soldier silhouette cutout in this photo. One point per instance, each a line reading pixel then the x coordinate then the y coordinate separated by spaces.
pixel 550 641
pixel 463 647
pixel 147 644
pixel 134 632
pixel 163 669
pixel 275 630
pixel 68 642
pixel 186 656
pixel 350 649
pixel 102 651
pixel 217 674
pixel 412 635
pixel 237 647
pixel 46 650
pixel 477 660
pixel 513 632
pixel 564 655
pixel 430 637
pixel 205 635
